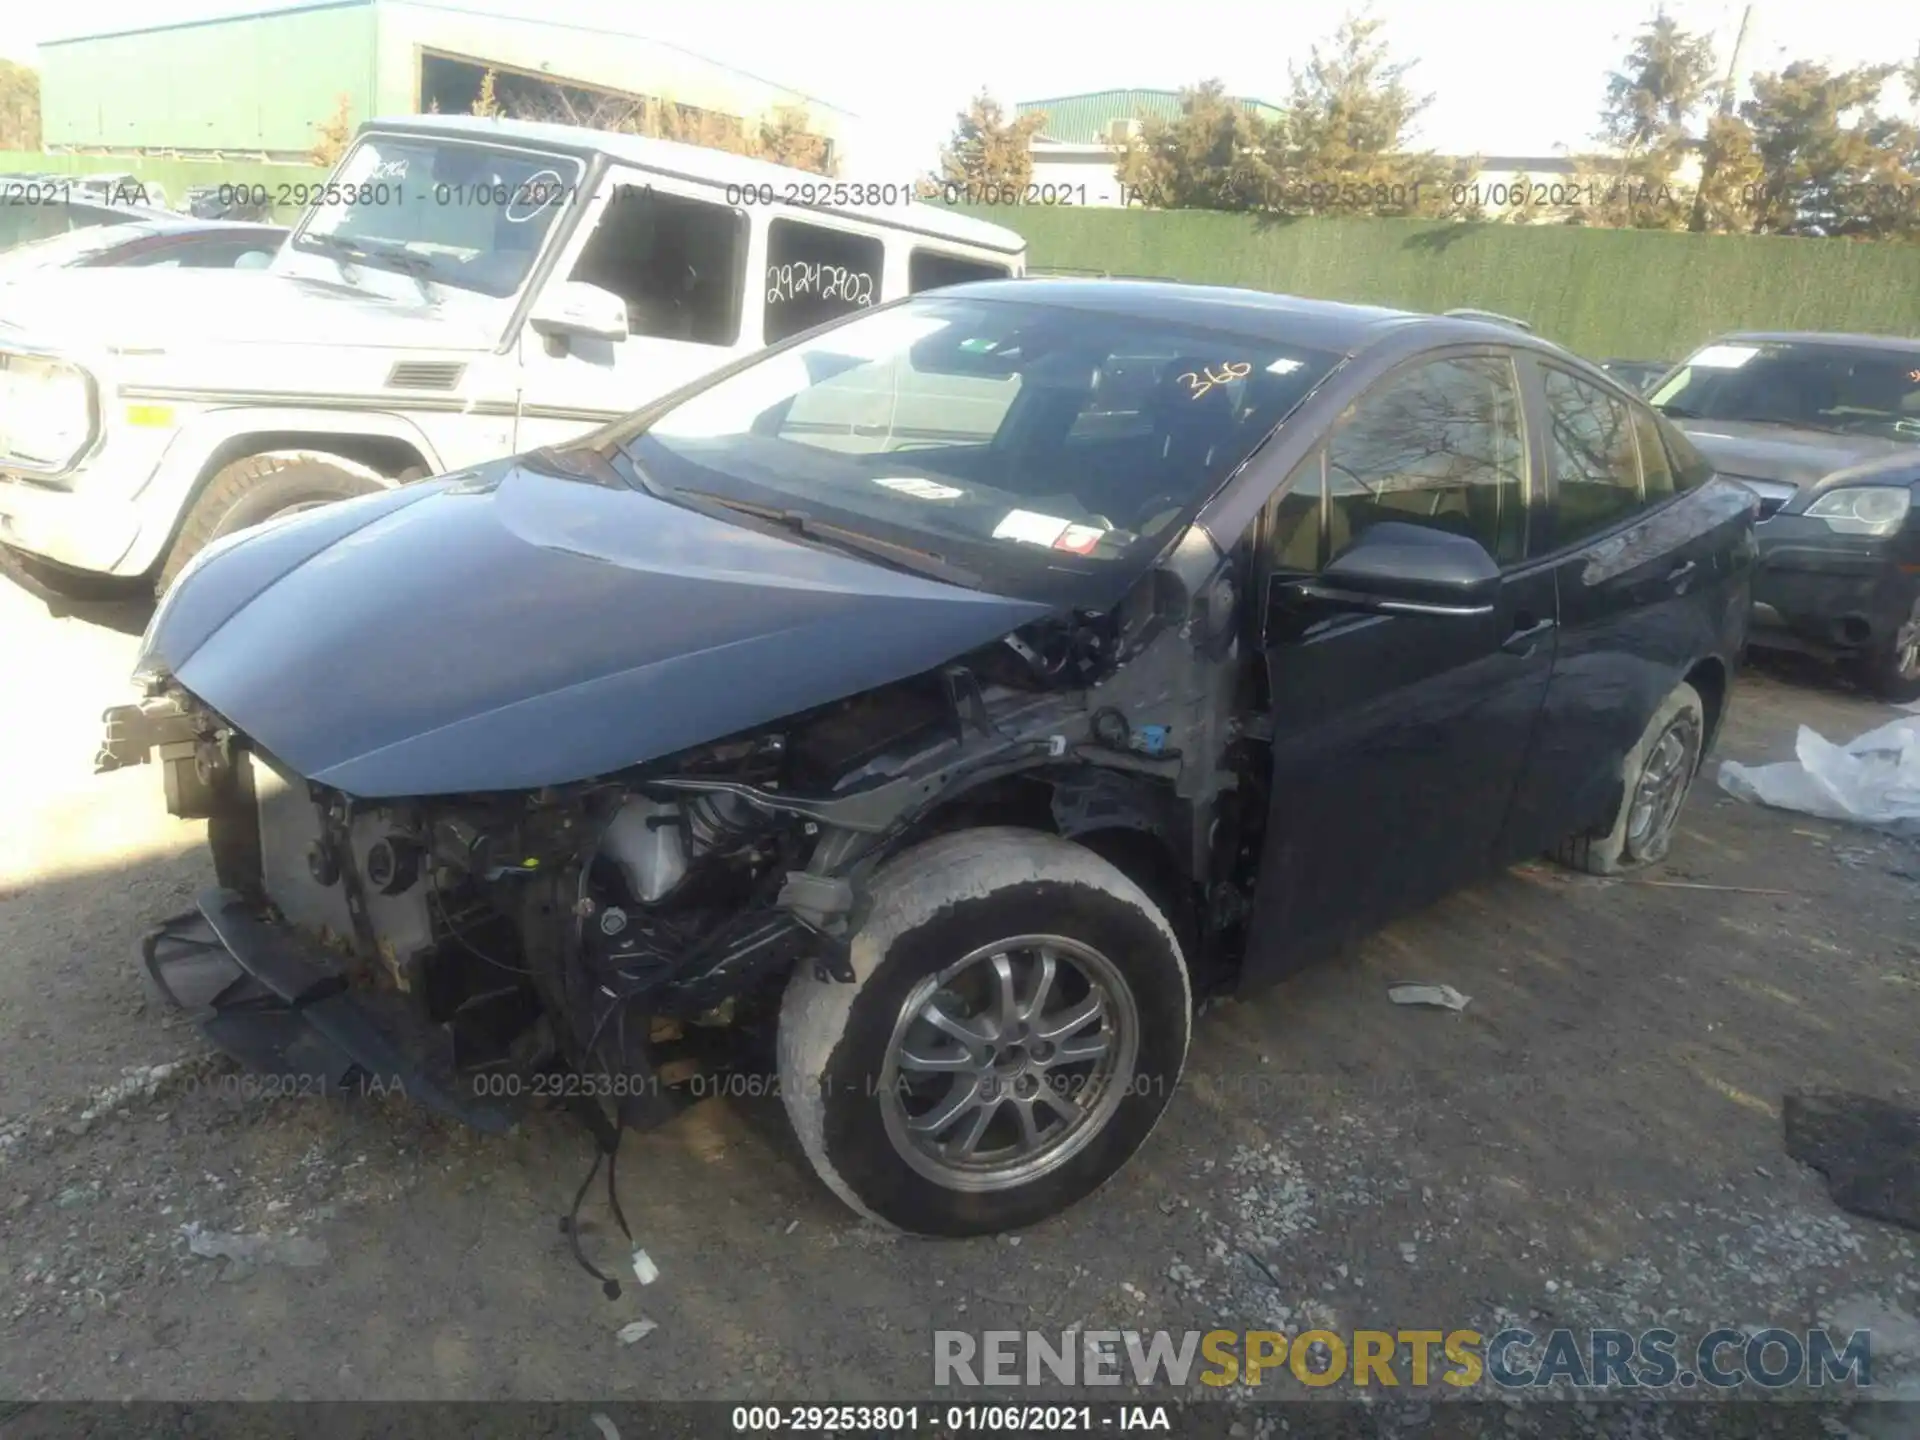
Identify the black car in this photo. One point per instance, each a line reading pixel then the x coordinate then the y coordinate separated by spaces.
pixel 174 241
pixel 945 699
pixel 1641 375
pixel 36 207
pixel 1826 429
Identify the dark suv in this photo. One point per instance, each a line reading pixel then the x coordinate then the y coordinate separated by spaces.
pixel 1826 429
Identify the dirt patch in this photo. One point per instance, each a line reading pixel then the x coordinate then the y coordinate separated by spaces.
pixel 1595 1140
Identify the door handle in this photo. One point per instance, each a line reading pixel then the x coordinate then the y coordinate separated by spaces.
pixel 1681 572
pixel 1523 640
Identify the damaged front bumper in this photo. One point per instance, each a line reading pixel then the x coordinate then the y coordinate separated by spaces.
pixel 282 1007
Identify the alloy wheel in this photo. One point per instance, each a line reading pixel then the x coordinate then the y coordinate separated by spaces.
pixel 1005 1065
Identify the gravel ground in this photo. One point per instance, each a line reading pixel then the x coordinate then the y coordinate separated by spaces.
pixel 1595 1141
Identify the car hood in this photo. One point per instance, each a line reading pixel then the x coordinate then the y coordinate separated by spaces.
pixel 140 308
pixel 1742 450
pixel 506 629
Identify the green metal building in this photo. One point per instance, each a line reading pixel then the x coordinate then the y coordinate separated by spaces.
pixel 258 86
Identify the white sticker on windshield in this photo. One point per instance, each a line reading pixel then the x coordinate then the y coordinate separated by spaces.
pixel 878 337
pixel 1031 527
pixel 920 489
pixel 1284 366
pixel 1724 357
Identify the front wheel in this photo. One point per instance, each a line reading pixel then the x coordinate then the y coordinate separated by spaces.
pixel 1892 671
pixel 1657 775
pixel 257 489
pixel 1018 1023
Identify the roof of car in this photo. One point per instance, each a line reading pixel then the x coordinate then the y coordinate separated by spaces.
pixel 1821 337
pixel 694 162
pixel 1330 325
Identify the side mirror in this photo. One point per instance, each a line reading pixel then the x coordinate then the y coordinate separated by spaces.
pixel 1400 569
pixel 572 307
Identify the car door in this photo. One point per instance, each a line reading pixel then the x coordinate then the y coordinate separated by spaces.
pixel 1644 566
pixel 1398 738
pixel 678 257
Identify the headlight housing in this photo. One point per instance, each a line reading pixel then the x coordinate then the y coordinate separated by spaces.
pixel 49 413
pixel 1863 509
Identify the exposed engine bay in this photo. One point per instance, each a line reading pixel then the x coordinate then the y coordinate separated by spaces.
pixel 630 932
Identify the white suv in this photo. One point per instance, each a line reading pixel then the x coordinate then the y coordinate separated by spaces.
pixel 458 289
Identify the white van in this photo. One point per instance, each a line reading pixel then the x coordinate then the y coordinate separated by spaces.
pixel 459 289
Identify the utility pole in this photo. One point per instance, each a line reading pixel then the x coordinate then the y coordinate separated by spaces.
pixel 1698 222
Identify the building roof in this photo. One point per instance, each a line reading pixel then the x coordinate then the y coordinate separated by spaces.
pixel 275 12
pixel 1083 119
pixel 707 166
pixel 269 12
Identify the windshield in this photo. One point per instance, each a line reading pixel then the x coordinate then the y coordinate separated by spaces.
pixel 1026 446
pixel 1841 388
pixel 470 216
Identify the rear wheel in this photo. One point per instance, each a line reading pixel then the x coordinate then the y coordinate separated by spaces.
pixel 1657 775
pixel 253 490
pixel 1019 1022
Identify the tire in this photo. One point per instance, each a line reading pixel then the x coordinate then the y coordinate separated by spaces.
pixel 256 489
pixel 1892 672
pixel 979 893
pixel 1626 845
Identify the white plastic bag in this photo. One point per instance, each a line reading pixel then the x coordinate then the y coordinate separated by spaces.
pixel 1874 780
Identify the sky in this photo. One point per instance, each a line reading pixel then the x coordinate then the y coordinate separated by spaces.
pixel 1509 77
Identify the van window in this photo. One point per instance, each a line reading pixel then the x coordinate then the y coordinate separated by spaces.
pixel 930 269
pixel 678 263
pixel 815 275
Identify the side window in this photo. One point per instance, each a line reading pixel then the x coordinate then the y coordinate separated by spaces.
pixel 1656 469
pixel 1293 521
pixel 1590 437
pixel 815 275
pixel 1442 444
pixel 1690 467
pixel 929 270
pixel 678 263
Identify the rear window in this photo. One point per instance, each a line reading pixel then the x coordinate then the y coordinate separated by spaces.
pixel 933 269
pixel 1690 467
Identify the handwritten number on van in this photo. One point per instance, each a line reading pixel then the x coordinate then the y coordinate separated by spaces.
pixel 804 278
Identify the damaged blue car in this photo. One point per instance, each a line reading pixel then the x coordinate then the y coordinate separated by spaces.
pixel 930 710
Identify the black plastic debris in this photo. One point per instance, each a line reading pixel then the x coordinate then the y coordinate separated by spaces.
pixel 1868 1149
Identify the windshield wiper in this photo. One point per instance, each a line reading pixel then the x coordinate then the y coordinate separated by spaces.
pixel 798 522
pixel 381 252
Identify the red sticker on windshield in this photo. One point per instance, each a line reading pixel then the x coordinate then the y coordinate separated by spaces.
pixel 1079 539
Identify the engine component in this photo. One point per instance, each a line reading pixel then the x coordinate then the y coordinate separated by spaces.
pixel 721 822
pixel 647 839
pixel 321 864
pixel 393 864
